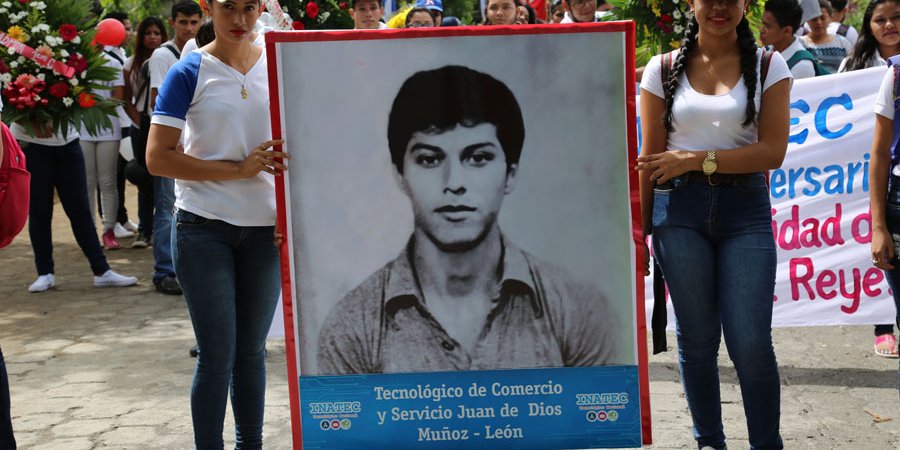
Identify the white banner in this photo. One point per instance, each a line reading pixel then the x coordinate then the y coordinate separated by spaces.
pixel 820 207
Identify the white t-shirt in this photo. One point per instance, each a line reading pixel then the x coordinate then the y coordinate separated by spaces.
pixel 202 97
pixel 884 102
pixel 851 35
pixel 115 132
pixel 803 68
pixel 160 62
pixel 711 122
pixel 56 140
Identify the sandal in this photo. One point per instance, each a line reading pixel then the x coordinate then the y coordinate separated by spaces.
pixel 886 346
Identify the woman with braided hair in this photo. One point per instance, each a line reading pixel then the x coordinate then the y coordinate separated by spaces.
pixel 714 118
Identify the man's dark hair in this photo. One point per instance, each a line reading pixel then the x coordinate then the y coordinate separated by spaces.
pixel 353 3
pixel 838 5
pixel 205 34
pixel 786 12
pixel 186 8
pixel 435 101
pixel 118 15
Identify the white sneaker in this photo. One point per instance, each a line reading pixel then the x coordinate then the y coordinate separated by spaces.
pixel 43 283
pixel 112 279
pixel 130 226
pixel 122 232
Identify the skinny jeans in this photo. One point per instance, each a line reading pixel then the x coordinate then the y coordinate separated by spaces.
pixel 716 249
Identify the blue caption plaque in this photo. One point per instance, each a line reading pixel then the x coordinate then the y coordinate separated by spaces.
pixel 560 408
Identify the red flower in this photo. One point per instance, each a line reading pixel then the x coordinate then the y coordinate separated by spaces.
pixel 59 90
pixel 298 25
pixel 343 5
pixel 77 62
pixel 667 19
pixel 23 1
pixel 86 100
pixel 3 67
pixel 67 32
pixel 312 10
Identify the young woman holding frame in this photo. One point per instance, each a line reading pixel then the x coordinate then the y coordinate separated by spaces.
pixel 715 118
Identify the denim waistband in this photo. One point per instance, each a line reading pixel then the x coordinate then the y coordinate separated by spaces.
pixel 716 179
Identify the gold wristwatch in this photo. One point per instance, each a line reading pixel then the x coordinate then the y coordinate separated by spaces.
pixel 710 164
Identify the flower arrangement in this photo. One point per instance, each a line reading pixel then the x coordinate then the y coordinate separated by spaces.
pixel 318 14
pixel 660 24
pixel 50 71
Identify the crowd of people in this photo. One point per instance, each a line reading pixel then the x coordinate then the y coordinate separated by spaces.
pixel 206 193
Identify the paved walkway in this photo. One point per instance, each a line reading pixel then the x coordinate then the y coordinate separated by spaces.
pixel 109 368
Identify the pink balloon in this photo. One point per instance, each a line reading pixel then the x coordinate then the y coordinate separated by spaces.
pixel 110 32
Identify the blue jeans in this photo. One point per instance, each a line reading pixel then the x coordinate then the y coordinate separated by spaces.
pixel 164 202
pixel 230 278
pixel 60 168
pixel 717 252
pixel 892 216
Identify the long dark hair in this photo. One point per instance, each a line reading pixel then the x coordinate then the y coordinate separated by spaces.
pixel 746 44
pixel 866 46
pixel 141 51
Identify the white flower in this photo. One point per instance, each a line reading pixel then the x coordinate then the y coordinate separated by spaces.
pixel 73 81
pixel 676 14
pixel 67 101
pixel 6 4
pixel 40 27
pixel 3 10
pixel 77 40
pixel 40 6
pixel 13 64
pixel 84 74
pixel 64 53
pixel 42 76
pixel 323 17
pixel 51 41
pixel 5 78
pixel 678 29
pixel 21 60
pixel 11 51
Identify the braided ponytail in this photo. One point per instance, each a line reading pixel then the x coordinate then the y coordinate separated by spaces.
pixel 747 46
pixel 678 67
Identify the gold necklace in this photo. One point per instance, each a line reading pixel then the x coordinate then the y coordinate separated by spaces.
pixel 244 94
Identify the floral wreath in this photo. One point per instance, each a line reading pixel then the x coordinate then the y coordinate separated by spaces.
pixel 50 70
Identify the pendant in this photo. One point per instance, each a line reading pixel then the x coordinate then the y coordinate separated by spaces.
pixel 244 94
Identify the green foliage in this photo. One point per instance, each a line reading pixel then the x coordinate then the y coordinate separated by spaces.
pixel 328 14
pixel 461 9
pixel 855 16
pixel 138 10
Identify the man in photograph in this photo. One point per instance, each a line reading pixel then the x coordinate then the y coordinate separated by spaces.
pixel 461 296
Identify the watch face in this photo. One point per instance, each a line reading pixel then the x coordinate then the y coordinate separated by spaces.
pixel 709 166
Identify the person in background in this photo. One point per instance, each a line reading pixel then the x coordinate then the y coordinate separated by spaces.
pixel 435 7
pixel 217 99
pixel 367 14
pixel 578 11
pixel 557 11
pixel 711 130
pixel 185 20
pixel 780 21
pixel 879 40
pixel 124 228
pixel 419 18
pixel 101 155
pixel 151 34
pixel 839 10
pixel 829 49
pixel 500 12
pixel 525 15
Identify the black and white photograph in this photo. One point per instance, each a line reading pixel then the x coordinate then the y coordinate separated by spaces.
pixel 467 209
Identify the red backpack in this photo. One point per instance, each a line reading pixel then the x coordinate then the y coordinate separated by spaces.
pixel 14 189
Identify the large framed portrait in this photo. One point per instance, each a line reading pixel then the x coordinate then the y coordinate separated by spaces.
pixel 460 266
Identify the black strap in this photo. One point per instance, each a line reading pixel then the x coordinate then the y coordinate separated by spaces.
pixel 169 45
pixel 114 56
pixel 659 319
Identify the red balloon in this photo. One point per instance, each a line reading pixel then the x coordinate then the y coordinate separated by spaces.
pixel 110 32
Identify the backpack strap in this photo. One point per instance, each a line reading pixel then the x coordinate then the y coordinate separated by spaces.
pixel 800 55
pixel 764 62
pixel 169 45
pixel 668 61
pixel 114 56
pixel 843 29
